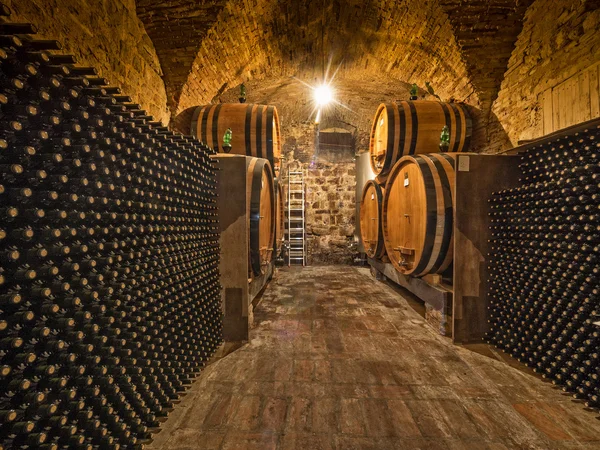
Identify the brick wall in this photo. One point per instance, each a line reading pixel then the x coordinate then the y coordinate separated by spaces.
pixel 177 29
pixel 559 39
pixel 106 34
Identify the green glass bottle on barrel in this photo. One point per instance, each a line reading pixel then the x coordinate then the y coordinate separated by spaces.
pixel 242 98
pixel 445 139
pixel 414 90
pixel 227 140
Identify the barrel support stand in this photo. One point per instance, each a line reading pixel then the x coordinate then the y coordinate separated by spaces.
pixel 238 291
pixel 437 299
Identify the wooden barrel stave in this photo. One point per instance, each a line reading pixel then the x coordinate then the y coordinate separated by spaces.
pixel 370 220
pixel 260 196
pixel 414 127
pixel 418 221
pixel 249 123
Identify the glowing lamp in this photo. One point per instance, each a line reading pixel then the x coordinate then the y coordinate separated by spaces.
pixel 323 95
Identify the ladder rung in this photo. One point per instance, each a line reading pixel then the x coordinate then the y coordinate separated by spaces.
pixel 295 207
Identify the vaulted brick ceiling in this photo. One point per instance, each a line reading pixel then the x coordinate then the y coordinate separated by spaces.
pixel 205 47
pixel 177 29
pixel 486 32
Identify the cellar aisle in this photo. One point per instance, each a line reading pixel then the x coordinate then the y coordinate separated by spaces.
pixel 339 360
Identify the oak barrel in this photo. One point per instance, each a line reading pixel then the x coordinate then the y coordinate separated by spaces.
pixel 255 129
pixel 414 127
pixel 279 216
pixel 370 220
pixel 260 195
pixel 417 213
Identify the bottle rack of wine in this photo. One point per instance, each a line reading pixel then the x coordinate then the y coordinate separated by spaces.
pixel 545 264
pixel 109 283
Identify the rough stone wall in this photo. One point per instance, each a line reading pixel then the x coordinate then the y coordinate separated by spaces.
pixel 107 35
pixel 330 212
pixel 330 176
pixel 559 39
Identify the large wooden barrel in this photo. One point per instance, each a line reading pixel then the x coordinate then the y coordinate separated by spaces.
pixel 279 216
pixel 414 127
pixel 370 220
pixel 255 129
pixel 260 195
pixel 417 214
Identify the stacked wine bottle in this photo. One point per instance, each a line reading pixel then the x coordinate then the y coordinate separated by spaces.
pixel 109 283
pixel 544 264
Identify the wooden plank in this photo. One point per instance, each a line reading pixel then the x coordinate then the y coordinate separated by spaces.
pixel 585 108
pixel 547 111
pixel 437 296
pixel 555 109
pixel 487 174
pixel 576 101
pixel 578 128
pixel 566 99
pixel 595 92
pixel 562 113
pixel 260 282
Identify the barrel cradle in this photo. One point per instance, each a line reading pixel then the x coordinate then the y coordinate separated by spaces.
pixel 260 196
pixel 279 216
pixel 417 213
pixel 255 129
pixel 370 220
pixel 414 127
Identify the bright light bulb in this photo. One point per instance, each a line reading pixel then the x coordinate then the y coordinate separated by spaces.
pixel 323 95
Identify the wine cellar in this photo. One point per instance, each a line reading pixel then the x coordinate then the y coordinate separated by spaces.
pixel 299 225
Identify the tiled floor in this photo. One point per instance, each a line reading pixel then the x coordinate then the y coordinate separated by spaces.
pixel 340 360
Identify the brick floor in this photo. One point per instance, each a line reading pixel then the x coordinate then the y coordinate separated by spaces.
pixel 338 360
